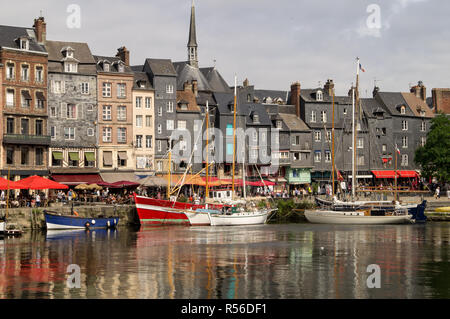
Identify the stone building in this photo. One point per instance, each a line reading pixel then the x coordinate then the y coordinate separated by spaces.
pixel 72 106
pixel 24 135
pixel 115 81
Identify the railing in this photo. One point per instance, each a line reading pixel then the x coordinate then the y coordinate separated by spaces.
pixel 26 139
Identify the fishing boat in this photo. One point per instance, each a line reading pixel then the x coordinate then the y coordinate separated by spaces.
pixel 56 220
pixel 8 229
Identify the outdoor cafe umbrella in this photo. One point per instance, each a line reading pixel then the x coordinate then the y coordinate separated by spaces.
pixel 126 184
pixel 6 184
pixel 38 182
pixel 82 186
pixel 94 187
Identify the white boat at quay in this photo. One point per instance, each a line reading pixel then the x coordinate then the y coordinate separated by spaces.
pixel 356 217
pixel 240 218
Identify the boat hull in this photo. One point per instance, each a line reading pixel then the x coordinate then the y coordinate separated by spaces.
pixel 54 221
pixel 353 218
pixel 238 219
pixel 198 218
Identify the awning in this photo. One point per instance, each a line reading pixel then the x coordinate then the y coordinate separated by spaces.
pixel 74 156
pixel 90 156
pixel 40 96
pixel 384 174
pixel 361 176
pixel 26 95
pixel 57 155
pixel 118 176
pixel 280 179
pixel 122 155
pixel 107 158
pixel 408 174
pixel 77 179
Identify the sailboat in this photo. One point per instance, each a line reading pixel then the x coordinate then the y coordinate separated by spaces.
pixel 357 212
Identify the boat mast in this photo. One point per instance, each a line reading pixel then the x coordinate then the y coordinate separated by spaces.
pixel 234 137
pixel 332 147
pixel 243 174
pixel 353 142
pixel 395 173
pixel 170 164
pixel 207 150
pixel 355 103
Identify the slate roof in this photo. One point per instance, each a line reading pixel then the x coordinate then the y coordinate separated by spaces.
pixel 114 64
pixel 142 77
pixel 202 97
pixel 293 122
pixel 273 94
pixel 249 110
pixel 392 101
pixel 9 35
pixel 309 95
pixel 187 73
pixel 371 106
pixel 161 67
pixel 82 54
pixel 137 68
pixel 215 80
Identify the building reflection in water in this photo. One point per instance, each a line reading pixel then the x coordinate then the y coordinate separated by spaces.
pixel 267 261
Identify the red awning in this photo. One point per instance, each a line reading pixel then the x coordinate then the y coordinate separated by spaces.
pixel 38 182
pixel 408 174
pixel 384 174
pixel 78 179
pixel 6 184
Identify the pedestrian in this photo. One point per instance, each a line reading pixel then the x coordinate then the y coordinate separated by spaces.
pixel 38 200
pixel 437 193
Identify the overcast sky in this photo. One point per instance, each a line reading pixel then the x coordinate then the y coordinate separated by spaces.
pixel 272 43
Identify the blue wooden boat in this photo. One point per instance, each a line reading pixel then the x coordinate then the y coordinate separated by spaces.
pixel 55 220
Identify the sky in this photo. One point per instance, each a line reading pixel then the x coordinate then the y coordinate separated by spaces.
pixel 271 43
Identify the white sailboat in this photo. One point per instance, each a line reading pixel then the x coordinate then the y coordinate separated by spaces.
pixel 356 212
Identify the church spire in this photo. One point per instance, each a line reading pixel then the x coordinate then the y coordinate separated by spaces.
pixel 192 44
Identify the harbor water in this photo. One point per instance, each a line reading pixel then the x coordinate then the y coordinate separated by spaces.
pixel 279 261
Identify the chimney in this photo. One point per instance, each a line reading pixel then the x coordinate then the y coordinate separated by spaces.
pixel 295 97
pixel 40 29
pixel 187 86
pixel 195 87
pixel 124 55
pixel 246 82
pixel 329 87
pixel 420 91
pixel 375 91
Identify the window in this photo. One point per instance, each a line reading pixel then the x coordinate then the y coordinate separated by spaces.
pixel 39 129
pixel 327 156
pixel 70 67
pixel 423 141
pixel 39 74
pixel 10 156
pixel 263 137
pixel 85 88
pixel 253 153
pixel 121 90
pixel 181 125
pixel 405 141
pixel 148 102
pixel 317 136
pixel 90 131
pixel 170 125
pixel 345 111
pixel 121 113
pixel 313 117
pixel 422 113
pixel 121 68
pixel 319 96
pixel 53 132
pixel 402 110
pixel 279 124
pixel 138 102
pixel 255 118
pixel 328 136
pixel 159 166
pixel 106 66
pixel 26 99
pixel 10 71
pixel 71 111
pixel 229 129
pixel 404 160
pixel 106 89
pixel 360 160
pixel 90 108
pixel 107 112
pixel 10 125
pixel 107 134
pixel 69 133
pixel 159 145
pixel 25 72
pixel 317 156
pixel 10 97
pixel 404 125
pixel 159 129
pixel 169 88
pixel 138 141
pixel 148 141
pixel 39 156
pixel 89 159
pixel 296 140
pixel 297 156
pixel 384 148
pixel 358 126
pixel 160 111
pixel 323 116
pixel 423 126
pixel 229 148
pixel 24 156
pixel 58 87
pixel 138 120
pixel 121 135
pixel 148 121
pixel 255 137
pixel 24 127
pixel 40 100
pixel 169 107
pixel 360 142
pixel 24 44
pixel 107 159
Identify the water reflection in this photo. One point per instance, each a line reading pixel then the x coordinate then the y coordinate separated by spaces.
pixel 267 261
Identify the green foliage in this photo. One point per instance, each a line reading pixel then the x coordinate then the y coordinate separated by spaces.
pixel 285 207
pixel 434 157
pixel 182 199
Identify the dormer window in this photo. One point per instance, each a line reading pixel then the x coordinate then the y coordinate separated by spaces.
pixel 319 96
pixel 120 67
pixel 24 44
pixel 255 118
pixel 106 66
pixel 70 67
pixel 279 124
pixel 69 54
pixel 402 109
pixel 184 107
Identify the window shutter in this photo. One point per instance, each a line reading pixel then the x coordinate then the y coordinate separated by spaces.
pixel 63 110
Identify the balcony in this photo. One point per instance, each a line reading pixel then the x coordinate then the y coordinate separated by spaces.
pixel 26 139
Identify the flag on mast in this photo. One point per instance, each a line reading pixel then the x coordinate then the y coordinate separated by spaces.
pixel 361 68
pixel 397 149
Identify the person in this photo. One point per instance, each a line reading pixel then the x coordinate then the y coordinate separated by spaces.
pixel 437 193
pixel 38 200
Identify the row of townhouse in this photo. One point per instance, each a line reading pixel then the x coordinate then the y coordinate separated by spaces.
pixel 84 118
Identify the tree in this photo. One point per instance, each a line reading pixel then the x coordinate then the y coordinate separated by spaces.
pixel 434 156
